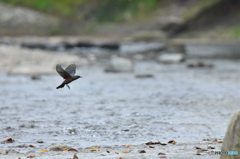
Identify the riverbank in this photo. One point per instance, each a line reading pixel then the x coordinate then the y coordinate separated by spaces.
pixel 145 19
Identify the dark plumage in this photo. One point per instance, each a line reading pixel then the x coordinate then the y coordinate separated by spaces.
pixel 68 74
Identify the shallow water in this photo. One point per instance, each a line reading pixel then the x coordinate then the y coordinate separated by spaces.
pixel 104 109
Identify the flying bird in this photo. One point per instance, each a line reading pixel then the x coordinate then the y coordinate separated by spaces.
pixel 68 74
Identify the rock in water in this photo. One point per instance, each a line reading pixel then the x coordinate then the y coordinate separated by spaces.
pixel 171 58
pixel 119 64
pixel 231 140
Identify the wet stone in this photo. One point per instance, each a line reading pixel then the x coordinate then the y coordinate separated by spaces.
pixel 119 64
pixel 171 58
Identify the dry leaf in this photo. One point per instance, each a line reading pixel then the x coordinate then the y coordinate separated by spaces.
pixel 94 150
pixel 9 140
pixel 201 149
pixel 215 140
pixel 152 143
pixel 172 142
pixel 75 156
pixel 163 144
pixel 125 151
pixel 32 156
pixel 65 149
pixel 31 146
pixel 151 146
pixel 161 153
pixel 108 151
pixel 204 150
pixel 43 151
pixel 162 157
pixel 129 145
pixel 197 153
pixel 220 141
pixel 210 147
pixel 73 150
pixel 206 139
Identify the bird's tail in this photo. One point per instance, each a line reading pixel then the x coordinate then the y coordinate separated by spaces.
pixel 60 86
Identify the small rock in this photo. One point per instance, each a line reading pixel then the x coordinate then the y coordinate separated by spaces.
pixel 22 146
pixel 72 131
pixel 175 47
pixel 195 64
pixel 75 156
pixel 119 64
pixel 35 77
pixel 139 57
pixel 110 46
pixel 152 143
pixel 144 76
pixel 171 58
pixel 31 156
pixel 59 147
pixel 84 44
pixel 210 147
pixel 142 151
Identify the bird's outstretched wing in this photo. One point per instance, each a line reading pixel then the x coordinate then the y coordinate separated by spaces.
pixel 71 69
pixel 62 72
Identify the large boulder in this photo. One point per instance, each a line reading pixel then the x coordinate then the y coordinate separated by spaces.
pixel 16 20
pixel 231 140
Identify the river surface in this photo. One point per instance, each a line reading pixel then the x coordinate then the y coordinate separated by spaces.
pixel 114 109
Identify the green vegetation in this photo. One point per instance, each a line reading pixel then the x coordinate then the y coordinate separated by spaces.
pixel 192 12
pixel 118 10
pixel 235 32
pixel 92 14
pixel 59 7
pixel 107 11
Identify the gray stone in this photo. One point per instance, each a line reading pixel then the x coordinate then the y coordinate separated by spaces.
pixel 231 140
pixel 119 64
pixel 175 47
pixel 16 60
pixel 16 20
pixel 144 76
pixel 171 58
pixel 197 64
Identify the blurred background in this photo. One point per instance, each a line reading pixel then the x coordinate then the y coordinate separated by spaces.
pixel 133 28
pixel 153 70
pixel 171 18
